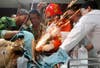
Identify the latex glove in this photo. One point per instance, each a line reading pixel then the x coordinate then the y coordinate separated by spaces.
pixel 48 47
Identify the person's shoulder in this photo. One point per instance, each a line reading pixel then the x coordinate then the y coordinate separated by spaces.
pixel 91 14
pixel 90 17
pixel 94 12
pixel 83 18
pixel 3 19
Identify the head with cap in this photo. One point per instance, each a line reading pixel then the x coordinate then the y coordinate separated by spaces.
pixel 52 10
pixel 88 6
pixel 21 16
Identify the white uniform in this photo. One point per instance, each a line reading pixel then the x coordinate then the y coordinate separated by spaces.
pixel 88 25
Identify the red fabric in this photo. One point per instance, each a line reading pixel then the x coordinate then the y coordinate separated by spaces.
pixel 57 42
pixel 67 28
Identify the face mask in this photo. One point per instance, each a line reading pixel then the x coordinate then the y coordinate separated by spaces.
pixel 84 11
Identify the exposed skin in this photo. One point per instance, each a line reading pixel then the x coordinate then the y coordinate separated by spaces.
pixel 33 50
pixel 35 20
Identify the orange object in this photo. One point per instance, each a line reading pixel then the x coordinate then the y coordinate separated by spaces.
pixel 67 28
pixel 52 9
pixel 57 42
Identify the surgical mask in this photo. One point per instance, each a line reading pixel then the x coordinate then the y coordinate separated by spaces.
pixel 84 11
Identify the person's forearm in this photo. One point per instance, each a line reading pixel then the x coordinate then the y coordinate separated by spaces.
pixel 10 34
pixel 33 49
pixel 89 47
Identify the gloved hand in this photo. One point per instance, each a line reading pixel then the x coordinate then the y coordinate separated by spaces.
pixel 48 47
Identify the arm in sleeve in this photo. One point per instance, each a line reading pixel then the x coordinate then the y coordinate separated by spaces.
pixel 4 23
pixel 2 33
pixel 2 27
pixel 81 29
